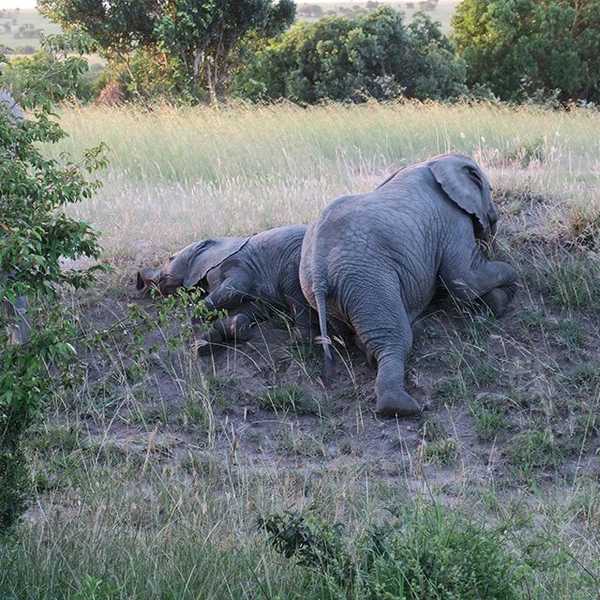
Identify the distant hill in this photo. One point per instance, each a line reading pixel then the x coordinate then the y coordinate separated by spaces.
pixel 20 30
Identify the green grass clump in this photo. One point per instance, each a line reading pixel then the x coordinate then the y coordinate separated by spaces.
pixel 488 420
pixel 452 390
pixel 289 398
pixel 440 452
pixel 532 452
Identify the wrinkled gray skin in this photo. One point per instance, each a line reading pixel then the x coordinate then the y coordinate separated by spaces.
pixel 374 261
pixel 18 329
pixel 242 275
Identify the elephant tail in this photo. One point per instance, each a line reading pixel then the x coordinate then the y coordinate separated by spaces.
pixel 324 339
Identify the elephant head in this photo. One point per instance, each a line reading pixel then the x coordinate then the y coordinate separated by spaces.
pixel 468 187
pixel 463 181
pixel 189 266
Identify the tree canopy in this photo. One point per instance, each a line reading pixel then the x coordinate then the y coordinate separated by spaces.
pixel 337 58
pixel 196 36
pixel 525 47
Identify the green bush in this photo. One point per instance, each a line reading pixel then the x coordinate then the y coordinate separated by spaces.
pixel 370 56
pixel 35 235
pixel 147 76
pixel 48 77
pixel 523 49
pixel 428 553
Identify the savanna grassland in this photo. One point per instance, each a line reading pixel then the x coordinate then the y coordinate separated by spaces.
pixel 153 466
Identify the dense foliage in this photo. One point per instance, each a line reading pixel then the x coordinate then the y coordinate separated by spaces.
pixel 56 72
pixel 35 235
pixel 521 48
pixel 192 39
pixel 336 58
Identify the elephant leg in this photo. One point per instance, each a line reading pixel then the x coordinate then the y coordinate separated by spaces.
pixel 384 332
pixel 232 292
pixel 236 328
pixel 494 282
pixel 305 320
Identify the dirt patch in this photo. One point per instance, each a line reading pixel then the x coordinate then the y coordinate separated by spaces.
pixel 511 400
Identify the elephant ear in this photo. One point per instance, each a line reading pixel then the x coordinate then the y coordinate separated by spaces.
pixel 209 254
pixel 467 186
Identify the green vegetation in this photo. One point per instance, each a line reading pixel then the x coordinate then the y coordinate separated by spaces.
pixel 188 52
pixel 521 49
pixel 149 466
pixel 191 41
pixel 55 73
pixel 167 461
pixel 427 553
pixel 36 236
pixel 174 173
pixel 374 56
pixel 288 398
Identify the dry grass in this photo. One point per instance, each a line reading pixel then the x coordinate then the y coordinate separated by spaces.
pixel 180 174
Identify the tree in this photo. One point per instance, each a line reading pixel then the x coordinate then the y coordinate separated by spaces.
pixel 199 35
pixel 35 234
pixel 375 55
pixel 521 47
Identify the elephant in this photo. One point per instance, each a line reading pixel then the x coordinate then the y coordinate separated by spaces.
pixel 243 274
pixel 375 260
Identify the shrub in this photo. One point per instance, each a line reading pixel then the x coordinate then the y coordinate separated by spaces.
pixel 428 553
pixel 370 56
pixel 51 78
pixel 35 234
pixel 197 37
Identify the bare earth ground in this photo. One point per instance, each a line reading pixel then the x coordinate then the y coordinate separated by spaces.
pixel 488 385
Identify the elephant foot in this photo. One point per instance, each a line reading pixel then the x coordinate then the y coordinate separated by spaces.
pixel 499 299
pixel 398 404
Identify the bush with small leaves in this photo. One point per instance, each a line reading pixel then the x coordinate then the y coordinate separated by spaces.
pixel 35 235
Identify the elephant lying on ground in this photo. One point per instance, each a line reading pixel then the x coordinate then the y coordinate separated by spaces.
pixel 245 275
pixel 374 261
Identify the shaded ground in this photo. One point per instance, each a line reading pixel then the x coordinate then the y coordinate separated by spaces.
pixel 513 401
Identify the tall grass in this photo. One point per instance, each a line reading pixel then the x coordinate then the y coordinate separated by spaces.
pixel 178 174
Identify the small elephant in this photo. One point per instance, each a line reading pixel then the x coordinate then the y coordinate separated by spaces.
pixel 375 260
pixel 244 275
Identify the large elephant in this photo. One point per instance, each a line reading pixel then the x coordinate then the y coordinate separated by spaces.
pixel 375 260
pixel 247 275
